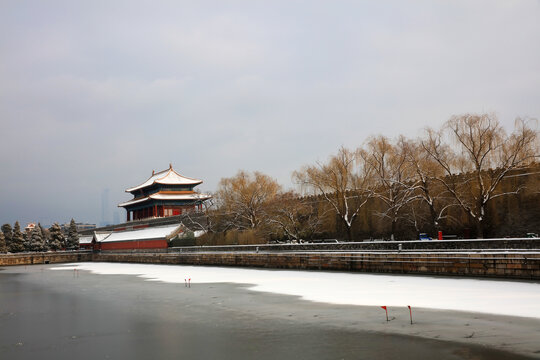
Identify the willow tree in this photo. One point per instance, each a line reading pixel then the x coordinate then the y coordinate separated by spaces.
pixel 393 175
pixel 480 156
pixel 425 171
pixel 343 182
pixel 293 217
pixel 243 199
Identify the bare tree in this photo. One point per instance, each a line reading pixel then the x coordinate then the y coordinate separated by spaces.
pixel 243 199
pixel 293 217
pixel 343 182
pixel 482 157
pixel 425 170
pixel 395 185
pixel 207 219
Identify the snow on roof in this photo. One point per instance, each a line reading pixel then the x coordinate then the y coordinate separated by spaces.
pixel 169 177
pixel 99 236
pixel 194 196
pixel 159 196
pixel 198 233
pixel 85 239
pixel 157 232
pixel 132 202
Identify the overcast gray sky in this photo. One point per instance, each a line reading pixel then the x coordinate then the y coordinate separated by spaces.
pixel 94 95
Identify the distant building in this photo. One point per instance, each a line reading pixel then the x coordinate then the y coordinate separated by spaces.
pixel 85 242
pixel 80 227
pixel 165 193
pixel 30 227
pixel 84 226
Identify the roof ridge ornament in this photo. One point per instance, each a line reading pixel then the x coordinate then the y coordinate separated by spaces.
pixel 153 172
pixel 170 166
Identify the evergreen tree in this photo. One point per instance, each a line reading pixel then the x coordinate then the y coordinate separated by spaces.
pixel 8 234
pixel 36 241
pixel 17 242
pixel 46 235
pixel 57 239
pixel 3 247
pixel 73 237
pixel 27 236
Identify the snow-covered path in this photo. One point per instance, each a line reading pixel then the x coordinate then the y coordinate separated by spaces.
pixel 486 296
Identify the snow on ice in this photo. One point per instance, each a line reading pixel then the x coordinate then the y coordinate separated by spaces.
pixel 486 296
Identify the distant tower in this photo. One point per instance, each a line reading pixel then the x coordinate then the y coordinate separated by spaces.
pixel 165 193
pixel 105 207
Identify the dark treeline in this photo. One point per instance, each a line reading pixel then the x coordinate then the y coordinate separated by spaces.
pixel 469 178
pixel 38 239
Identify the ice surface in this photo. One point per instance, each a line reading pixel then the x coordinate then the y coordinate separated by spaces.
pixel 517 298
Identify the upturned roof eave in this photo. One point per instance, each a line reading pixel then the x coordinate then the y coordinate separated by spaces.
pixel 165 197
pixel 159 180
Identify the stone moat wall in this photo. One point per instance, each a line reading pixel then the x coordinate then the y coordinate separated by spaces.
pixel 469 244
pixel 44 258
pixel 513 266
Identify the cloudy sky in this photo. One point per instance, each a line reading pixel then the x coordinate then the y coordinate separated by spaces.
pixel 94 95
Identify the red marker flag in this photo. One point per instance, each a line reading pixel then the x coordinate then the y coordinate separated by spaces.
pixel 410 312
pixel 384 307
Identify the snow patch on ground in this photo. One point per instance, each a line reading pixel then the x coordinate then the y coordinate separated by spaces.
pixel 486 296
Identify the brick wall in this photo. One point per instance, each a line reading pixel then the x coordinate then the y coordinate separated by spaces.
pixel 44 258
pixel 521 265
pixel 516 266
pixel 519 243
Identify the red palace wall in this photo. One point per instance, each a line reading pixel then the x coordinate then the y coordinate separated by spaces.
pixel 161 211
pixel 138 244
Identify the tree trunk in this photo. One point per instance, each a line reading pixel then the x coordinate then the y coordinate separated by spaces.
pixel 434 217
pixel 394 225
pixel 349 233
pixel 480 229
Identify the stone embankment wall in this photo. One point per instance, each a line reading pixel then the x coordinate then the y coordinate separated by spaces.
pixel 406 245
pixel 45 258
pixel 469 244
pixel 505 265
